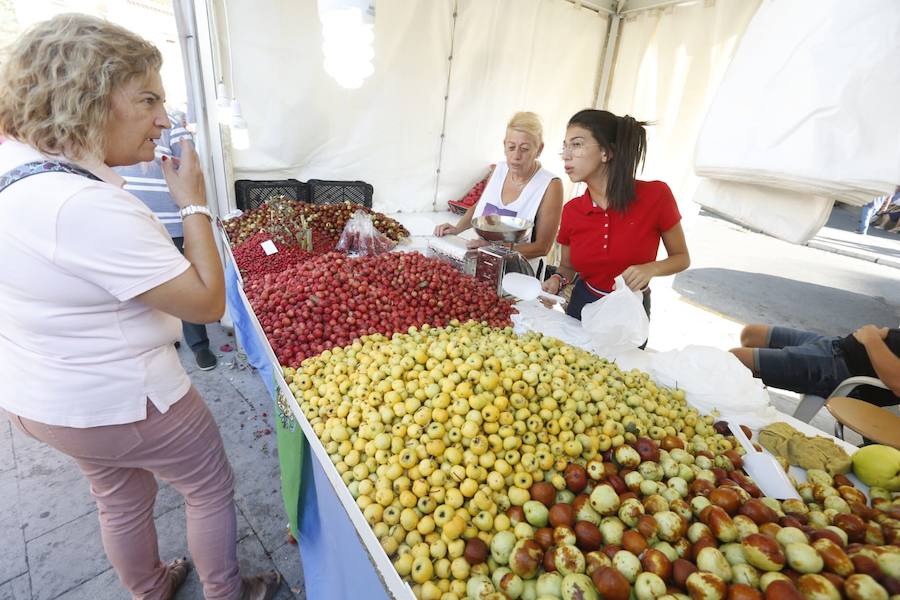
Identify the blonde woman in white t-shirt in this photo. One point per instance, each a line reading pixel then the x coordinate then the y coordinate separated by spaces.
pixel 92 291
pixel 520 187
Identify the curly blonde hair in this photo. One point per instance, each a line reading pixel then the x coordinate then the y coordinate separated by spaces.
pixel 57 81
pixel 528 123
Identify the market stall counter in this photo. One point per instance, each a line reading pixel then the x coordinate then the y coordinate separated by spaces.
pixel 333 538
pixel 467 459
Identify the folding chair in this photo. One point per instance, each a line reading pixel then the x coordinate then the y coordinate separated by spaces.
pixel 810 404
pixel 870 421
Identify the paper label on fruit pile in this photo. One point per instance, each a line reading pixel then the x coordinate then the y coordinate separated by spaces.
pixel 269 248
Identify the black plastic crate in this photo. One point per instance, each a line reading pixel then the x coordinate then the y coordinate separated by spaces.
pixel 338 192
pixel 250 194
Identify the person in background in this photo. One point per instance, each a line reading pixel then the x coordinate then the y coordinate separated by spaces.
pixel 809 363
pixel 865 215
pixel 615 227
pixel 146 181
pixel 520 187
pixel 888 216
pixel 93 292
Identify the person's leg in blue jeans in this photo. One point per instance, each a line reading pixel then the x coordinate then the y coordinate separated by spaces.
pixel 815 367
pixel 195 333
pixel 756 335
pixel 865 215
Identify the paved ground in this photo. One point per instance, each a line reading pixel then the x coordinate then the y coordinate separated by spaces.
pixel 750 277
pixel 49 535
pixel 839 236
pixel 49 540
pixel 831 286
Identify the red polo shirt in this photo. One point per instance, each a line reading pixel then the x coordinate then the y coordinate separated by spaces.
pixel 603 243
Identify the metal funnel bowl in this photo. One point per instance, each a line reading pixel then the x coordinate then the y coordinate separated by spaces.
pixel 496 228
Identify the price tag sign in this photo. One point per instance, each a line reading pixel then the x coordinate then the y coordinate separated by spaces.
pixel 269 248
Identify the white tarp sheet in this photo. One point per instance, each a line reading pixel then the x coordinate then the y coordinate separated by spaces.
pixel 668 65
pixel 809 104
pixel 784 214
pixel 509 55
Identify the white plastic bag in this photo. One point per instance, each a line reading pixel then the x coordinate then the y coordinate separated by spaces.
pixel 616 322
pixel 714 379
pixel 534 316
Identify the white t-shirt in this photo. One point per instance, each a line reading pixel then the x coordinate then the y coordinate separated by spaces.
pixel 76 348
pixel 524 207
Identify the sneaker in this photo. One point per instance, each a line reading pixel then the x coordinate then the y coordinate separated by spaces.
pixel 206 360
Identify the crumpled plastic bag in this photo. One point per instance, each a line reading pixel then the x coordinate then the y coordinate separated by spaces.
pixel 714 379
pixel 532 315
pixel 616 322
pixel 361 238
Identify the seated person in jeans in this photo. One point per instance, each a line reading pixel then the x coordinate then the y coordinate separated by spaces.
pixel 809 363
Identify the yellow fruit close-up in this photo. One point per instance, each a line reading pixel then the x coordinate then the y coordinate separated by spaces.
pixel 439 432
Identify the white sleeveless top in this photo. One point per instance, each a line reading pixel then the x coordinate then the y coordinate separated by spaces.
pixel 524 207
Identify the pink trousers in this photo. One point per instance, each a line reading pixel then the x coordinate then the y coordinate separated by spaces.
pixel 182 447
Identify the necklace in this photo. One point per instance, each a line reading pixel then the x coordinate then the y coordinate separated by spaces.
pixel 512 180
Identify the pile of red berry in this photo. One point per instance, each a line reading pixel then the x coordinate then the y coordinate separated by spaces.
pixel 332 299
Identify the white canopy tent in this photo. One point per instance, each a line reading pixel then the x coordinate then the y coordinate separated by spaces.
pixel 449 74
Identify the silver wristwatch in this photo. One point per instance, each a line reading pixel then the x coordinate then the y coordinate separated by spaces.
pixel 195 209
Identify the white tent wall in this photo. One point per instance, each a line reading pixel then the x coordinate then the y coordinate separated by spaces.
pixel 668 66
pixel 303 125
pixel 512 55
pixel 450 73
pixel 509 55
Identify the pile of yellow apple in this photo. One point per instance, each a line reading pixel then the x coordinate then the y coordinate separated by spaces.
pixel 492 466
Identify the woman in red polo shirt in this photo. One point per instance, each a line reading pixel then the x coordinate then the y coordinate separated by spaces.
pixel 615 227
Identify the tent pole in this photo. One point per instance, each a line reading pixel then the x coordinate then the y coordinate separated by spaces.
pixel 192 21
pixel 440 158
pixel 609 56
pixel 632 6
pixel 599 7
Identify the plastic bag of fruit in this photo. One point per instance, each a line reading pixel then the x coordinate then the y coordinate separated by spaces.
pixel 360 238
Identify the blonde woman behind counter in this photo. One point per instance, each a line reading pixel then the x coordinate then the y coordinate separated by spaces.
pixel 520 187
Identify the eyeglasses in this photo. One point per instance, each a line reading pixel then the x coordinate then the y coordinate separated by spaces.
pixel 575 149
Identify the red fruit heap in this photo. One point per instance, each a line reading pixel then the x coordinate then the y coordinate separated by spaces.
pixel 329 219
pixel 331 299
pixel 253 262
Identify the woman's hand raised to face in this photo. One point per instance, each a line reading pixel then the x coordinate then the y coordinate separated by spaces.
pixel 186 184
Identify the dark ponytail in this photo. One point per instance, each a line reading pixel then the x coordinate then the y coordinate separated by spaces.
pixel 626 140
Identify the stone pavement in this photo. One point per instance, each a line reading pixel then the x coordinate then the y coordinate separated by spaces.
pixel 839 236
pixel 49 534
